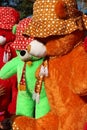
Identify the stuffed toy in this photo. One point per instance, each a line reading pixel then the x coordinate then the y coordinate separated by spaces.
pixel 57 85
pixel 8 18
pixel 22 64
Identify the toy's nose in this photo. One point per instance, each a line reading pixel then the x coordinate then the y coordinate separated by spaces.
pixel 23 52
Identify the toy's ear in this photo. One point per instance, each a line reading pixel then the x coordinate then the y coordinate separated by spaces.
pixel 14 28
pixel 60 9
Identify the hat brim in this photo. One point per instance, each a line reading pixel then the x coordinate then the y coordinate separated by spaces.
pixel 21 43
pixel 45 28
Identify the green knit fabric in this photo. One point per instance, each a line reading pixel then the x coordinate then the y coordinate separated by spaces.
pixel 25 104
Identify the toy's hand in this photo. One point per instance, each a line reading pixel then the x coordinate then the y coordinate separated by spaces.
pixel 2 90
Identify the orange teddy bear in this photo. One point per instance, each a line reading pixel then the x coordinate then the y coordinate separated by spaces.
pixel 60 27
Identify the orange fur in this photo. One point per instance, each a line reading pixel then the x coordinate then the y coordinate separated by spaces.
pixel 60 9
pixel 63 45
pixel 48 122
pixel 68 87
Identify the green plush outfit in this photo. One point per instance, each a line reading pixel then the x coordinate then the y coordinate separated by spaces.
pixel 25 104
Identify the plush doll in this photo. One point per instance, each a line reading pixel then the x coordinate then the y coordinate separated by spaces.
pixel 61 76
pixel 8 18
pixel 25 64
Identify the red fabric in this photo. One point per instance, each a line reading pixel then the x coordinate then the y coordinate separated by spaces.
pixel 85 126
pixel 10 37
pixel 2 49
pixel 7 46
pixel 8 17
pixel 21 42
pixel 8 101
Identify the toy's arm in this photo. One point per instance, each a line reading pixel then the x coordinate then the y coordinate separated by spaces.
pixel 9 69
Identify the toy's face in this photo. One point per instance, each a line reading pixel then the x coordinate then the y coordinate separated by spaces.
pixel 34 51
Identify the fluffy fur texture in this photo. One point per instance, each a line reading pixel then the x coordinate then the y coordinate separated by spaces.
pixel 66 85
pixel 60 9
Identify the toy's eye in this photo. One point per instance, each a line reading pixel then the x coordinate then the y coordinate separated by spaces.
pixel 26 36
pixel 23 52
pixel 24 55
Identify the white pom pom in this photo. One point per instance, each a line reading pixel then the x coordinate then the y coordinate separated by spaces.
pixel 2 40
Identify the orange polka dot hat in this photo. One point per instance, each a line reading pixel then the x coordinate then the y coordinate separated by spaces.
pixel 21 42
pixel 8 17
pixel 45 21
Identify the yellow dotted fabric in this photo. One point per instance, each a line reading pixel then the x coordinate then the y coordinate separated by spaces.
pixel 85 21
pixel 45 22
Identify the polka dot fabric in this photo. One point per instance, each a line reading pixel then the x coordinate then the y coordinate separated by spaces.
pixel 85 21
pixel 8 17
pixel 22 41
pixel 45 21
